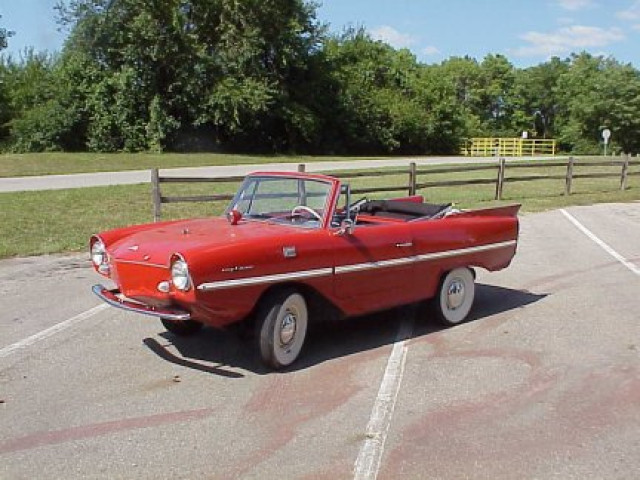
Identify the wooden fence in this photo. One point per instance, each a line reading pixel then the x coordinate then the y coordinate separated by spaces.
pixel 574 169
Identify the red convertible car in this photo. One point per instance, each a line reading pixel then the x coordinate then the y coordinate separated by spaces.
pixel 293 247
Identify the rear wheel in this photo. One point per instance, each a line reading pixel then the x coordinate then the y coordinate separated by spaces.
pixel 181 327
pixel 281 327
pixel 455 296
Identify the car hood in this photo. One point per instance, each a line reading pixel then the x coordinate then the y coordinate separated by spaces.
pixel 156 245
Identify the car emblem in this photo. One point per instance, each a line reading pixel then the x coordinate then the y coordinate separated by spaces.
pixel 289 252
pixel 238 268
pixel 134 248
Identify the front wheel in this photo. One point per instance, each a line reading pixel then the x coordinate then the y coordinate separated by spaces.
pixel 182 328
pixel 455 296
pixel 281 327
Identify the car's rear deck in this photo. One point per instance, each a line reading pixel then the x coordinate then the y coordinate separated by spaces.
pixel 403 210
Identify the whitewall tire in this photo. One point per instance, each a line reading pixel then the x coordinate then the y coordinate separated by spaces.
pixel 455 296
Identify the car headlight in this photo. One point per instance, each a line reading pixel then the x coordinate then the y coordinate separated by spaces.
pixel 180 274
pixel 98 253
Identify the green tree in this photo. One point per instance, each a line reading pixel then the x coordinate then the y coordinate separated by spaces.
pixel 494 107
pixel 263 75
pixel 47 102
pixel 464 74
pixel 536 99
pixel 385 101
pixel 599 92
pixel 483 91
pixel 4 37
pixel 233 69
pixel 5 108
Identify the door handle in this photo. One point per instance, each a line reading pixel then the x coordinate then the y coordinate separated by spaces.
pixel 404 245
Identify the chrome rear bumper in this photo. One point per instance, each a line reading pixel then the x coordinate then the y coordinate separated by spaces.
pixel 112 298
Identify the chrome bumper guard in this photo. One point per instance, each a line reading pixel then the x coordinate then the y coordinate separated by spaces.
pixel 112 298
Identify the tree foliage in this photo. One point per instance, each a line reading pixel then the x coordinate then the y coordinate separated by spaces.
pixel 5 110
pixel 265 75
pixel 597 93
pixel 4 37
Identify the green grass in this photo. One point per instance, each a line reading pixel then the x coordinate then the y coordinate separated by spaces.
pixel 44 222
pixel 29 164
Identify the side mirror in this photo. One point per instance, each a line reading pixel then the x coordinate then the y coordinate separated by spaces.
pixel 347 227
pixel 234 216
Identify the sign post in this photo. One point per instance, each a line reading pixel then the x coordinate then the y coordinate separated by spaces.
pixel 606 135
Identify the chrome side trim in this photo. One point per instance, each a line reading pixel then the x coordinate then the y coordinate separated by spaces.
pixel 421 258
pixel 374 265
pixel 139 262
pixel 112 298
pixel 464 251
pixel 279 277
pixel 395 262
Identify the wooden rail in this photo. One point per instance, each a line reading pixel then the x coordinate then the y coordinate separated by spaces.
pixel 417 178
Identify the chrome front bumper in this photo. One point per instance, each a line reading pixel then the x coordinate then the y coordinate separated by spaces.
pixel 112 298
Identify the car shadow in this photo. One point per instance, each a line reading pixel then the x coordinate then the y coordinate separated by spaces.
pixel 226 354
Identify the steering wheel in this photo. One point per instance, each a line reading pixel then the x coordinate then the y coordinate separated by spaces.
pixel 304 208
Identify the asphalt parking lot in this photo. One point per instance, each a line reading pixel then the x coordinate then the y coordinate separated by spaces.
pixel 542 382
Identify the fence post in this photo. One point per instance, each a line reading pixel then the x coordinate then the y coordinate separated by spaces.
pixel 503 169
pixel 301 167
pixel 569 177
pixel 625 172
pixel 412 179
pixel 500 180
pixel 155 194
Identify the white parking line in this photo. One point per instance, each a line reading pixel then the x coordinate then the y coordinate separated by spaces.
pixel 368 461
pixel 6 351
pixel 602 244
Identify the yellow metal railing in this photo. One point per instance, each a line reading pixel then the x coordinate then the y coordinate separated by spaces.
pixel 508 147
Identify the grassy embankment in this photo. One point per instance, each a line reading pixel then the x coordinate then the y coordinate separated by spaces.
pixel 33 223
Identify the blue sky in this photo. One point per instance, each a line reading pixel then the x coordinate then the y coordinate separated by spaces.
pixel 526 31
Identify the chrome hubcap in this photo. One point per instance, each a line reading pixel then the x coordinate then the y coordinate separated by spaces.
pixel 287 328
pixel 455 294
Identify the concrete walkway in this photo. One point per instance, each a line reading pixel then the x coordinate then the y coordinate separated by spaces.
pixel 79 180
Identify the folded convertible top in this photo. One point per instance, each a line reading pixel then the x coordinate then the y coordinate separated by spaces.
pixel 400 209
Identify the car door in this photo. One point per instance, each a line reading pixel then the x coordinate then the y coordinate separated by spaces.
pixel 374 267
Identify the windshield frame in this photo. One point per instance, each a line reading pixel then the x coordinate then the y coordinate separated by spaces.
pixel 329 203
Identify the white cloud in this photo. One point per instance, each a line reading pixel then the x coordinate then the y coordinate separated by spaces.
pixel 430 50
pixel 565 21
pixel 632 13
pixel 567 39
pixel 393 37
pixel 573 5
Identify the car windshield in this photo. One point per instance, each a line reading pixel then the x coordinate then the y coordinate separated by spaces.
pixel 290 201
